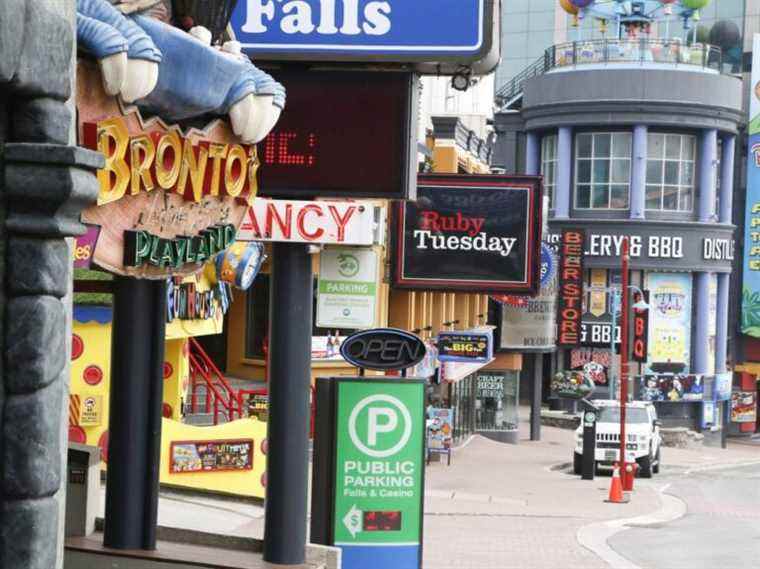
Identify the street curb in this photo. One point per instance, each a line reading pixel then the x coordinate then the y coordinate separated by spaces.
pixel 594 537
pixel 723 466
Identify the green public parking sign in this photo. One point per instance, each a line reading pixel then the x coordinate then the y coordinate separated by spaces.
pixel 379 470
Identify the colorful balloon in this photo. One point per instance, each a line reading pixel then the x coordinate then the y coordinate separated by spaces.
pixel 695 4
pixel 568 6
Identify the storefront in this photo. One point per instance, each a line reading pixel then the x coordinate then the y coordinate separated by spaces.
pixel 677 266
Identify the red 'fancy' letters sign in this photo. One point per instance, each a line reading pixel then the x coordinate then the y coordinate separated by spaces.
pixel 570 305
pixel 172 188
pixel 640 331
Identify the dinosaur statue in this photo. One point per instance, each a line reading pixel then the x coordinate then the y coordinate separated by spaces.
pixel 175 74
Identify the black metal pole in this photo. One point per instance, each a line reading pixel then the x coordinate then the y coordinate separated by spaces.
pixel 290 322
pixel 535 397
pixel 134 450
pixel 589 445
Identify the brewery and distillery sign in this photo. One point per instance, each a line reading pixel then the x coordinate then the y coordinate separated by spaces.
pixel 365 30
pixel 471 233
pixel 685 246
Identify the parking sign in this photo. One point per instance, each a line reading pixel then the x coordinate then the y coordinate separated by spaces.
pixel 377 518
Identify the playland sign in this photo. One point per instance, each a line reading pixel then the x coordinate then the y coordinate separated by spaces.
pixel 169 199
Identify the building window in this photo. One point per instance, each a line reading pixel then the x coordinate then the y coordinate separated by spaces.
pixel 549 165
pixel 602 170
pixel 670 172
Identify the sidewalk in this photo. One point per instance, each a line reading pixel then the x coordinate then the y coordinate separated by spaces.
pixel 497 506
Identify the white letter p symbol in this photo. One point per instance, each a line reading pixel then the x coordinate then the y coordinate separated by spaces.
pixel 374 426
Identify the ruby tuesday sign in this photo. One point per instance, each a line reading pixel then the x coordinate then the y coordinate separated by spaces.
pixel 470 233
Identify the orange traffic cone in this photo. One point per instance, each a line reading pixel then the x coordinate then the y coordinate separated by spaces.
pixel 616 488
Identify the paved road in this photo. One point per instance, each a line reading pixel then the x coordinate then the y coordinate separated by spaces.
pixel 720 530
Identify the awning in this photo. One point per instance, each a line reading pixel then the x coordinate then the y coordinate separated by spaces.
pixel 451 372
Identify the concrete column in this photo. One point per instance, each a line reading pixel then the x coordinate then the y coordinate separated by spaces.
pixel 564 168
pixel 708 157
pixel 639 172
pixel 728 151
pixel 532 154
pixel 701 339
pixel 721 333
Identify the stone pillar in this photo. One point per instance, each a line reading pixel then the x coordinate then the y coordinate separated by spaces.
pixel 532 154
pixel 728 152
pixel 721 323
pixel 44 185
pixel 564 169
pixel 708 158
pixel 639 172
pixel 700 342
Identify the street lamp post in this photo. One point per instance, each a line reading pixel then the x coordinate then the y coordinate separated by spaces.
pixel 624 358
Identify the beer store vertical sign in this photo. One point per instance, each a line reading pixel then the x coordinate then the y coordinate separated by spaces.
pixel 570 301
pixel 377 518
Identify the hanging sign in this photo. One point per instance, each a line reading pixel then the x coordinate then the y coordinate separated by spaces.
pixel 465 347
pixel 640 349
pixel 383 349
pixel 161 186
pixel 669 338
pixel 365 30
pixel 471 234
pixel 333 223
pixel 570 300
pixel 347 288
pixel 378 489
pixel 529 323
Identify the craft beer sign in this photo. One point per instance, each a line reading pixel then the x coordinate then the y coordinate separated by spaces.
pixel 471 234
pixel 169 199
pixel 365 30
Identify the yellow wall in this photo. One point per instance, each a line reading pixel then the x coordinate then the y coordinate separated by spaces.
pixel 96 354
pixel 242 483
pixel 176 376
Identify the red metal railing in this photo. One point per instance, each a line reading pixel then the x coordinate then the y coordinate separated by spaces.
pixel 219 394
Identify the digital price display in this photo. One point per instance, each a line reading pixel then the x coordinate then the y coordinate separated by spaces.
pixel 382 521
pixel 342 134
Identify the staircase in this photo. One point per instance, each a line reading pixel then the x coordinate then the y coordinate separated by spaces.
pixel 212 400
pixel 509 95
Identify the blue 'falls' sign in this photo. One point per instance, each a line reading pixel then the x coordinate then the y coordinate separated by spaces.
pixel 355 30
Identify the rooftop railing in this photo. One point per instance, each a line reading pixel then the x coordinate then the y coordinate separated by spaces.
pixel 640 52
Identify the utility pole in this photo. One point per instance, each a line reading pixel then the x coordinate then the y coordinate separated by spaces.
pixel 624 359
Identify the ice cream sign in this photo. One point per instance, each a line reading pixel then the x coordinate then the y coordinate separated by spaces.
pixel 362 30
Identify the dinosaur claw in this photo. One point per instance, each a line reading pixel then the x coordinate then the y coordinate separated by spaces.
pixel 141 79
pixel 114 71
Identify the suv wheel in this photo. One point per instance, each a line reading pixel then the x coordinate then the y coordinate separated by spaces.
pixel 645 466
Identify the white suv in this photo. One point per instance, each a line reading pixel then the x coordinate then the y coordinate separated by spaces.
pixel 642 429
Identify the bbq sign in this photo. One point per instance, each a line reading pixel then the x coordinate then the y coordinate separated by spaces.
pixel 471 234
pixel 570 299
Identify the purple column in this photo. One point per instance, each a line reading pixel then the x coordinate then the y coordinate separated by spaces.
pixel 532 154
pixel 564 167
pixel 728 151
pixel 639 172
pixel 701 340
pixel 708 157
pixel 721 334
